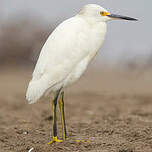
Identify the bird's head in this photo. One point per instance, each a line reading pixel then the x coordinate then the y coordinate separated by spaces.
pixel 101 14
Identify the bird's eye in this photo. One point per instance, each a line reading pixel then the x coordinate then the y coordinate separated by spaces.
pixel 104 13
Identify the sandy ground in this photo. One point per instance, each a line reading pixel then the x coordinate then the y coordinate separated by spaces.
pixel 110 108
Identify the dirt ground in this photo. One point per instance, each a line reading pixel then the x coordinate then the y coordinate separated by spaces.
pixel 110 108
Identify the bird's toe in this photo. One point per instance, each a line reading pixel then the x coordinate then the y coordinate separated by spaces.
pixel 55 139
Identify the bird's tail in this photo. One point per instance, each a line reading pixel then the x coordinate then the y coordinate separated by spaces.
pixel 35 90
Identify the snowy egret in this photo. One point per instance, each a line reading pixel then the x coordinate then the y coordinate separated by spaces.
pixel 66 55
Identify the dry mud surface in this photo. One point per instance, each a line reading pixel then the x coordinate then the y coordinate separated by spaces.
pixel 110 108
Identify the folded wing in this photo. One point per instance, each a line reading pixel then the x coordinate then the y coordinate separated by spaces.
pixel 63 50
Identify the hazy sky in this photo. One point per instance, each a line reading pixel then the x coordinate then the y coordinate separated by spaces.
pixel 124 39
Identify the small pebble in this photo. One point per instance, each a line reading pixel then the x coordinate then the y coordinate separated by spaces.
pixel 31 149
pixel 25 132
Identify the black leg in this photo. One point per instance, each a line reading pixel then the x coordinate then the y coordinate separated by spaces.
pixel 54 104
pixel 54 117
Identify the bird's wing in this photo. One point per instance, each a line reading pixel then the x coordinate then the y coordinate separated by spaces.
pixel 63 50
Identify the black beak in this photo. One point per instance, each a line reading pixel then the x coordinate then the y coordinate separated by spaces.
pixel 114 16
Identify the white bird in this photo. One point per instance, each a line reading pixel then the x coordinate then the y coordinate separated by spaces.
pixel 66 55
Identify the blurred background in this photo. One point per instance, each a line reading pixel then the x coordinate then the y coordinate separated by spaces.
pixel 25 26
pixel 111 103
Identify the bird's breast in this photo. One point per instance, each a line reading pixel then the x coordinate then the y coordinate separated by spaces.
pixel 92 39
pixel 96 38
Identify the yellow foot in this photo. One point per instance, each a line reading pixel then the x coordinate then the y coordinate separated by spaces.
pixel 82 141
pixel 55 139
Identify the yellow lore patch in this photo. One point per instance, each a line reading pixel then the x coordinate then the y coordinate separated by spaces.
pixel 104 13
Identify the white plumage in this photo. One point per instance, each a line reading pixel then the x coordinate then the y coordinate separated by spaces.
pixel 68 51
